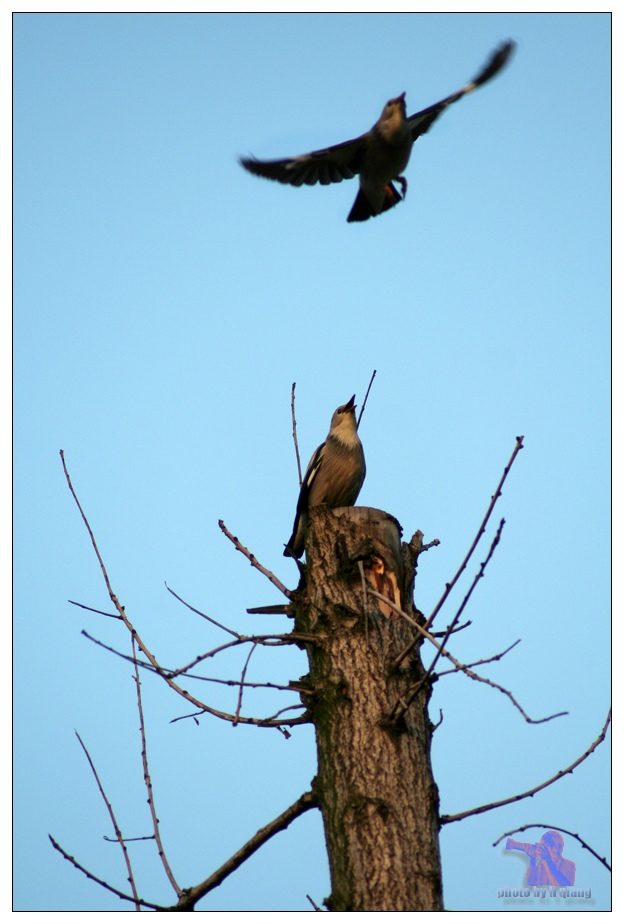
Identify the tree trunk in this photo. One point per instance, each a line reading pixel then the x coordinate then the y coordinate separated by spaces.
pixel 375 784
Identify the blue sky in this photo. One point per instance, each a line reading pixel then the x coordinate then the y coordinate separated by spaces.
pixel 165 301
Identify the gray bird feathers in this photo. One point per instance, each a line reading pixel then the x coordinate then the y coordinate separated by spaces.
pixel 334 475
pixel 379 156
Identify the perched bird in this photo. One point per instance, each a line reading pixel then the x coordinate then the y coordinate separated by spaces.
pixel 334 475
pixel 379 156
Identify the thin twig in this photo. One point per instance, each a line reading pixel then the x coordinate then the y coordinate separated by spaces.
pixel 583 843
pixel 105 885
pixel 203 615
pixel 400 706
pixel 113 840
pixel 193 715
pixel 447 819
pixel 116 827
pixel 496 657
pixel 411 696
pixel 464 625
pixel 242 685
pixel 203 707
pixel 366 397
pixel 148 779
pixel 92 609
pixel 254 561
pixel 481 530
pixel 294 426
pixel 313 903
pixel 191 896
pixel 270 641
pixel 287 709
pixel 109 588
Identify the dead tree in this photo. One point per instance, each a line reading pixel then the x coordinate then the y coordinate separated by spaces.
pixel 375 784
pixel 366 694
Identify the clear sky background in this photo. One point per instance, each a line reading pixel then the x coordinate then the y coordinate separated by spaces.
pixel 165 301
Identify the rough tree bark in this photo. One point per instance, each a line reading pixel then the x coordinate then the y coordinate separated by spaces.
pixel 375 785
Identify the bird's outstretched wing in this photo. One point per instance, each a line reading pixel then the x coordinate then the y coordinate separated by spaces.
pixel 329 165
pixel 422 121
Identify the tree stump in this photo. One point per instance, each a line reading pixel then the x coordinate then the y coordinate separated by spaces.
pixel 375 785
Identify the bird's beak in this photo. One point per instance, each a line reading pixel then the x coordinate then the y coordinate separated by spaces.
pixel 350 403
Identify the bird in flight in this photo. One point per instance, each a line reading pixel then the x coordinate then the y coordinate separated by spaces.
pixel 334 476
pixel 379 156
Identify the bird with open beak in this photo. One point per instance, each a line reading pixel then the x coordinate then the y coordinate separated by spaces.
pixel 334 475
pixel 380 156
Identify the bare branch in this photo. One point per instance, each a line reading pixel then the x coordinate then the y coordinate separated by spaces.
pixel 150 657
pixel 202 707
pixel 366 397
pixel 496 657
pixel 113 840
pixel 270 641
pixel 402 705
pixel 105 885
pixel 447 819
pixel 193 715
pixel 468 556
pixel 148 779
pixel 294 426
pixel 555 828
pixel 92 609
pixel 203 615
pixel 254 561
pixel 242 685
pixel 288 709
pixel 114 821
pixel 478 577
pixel 191 896
pixel 313 903
pixel 455 619
pixel 481 530
pixel 464 625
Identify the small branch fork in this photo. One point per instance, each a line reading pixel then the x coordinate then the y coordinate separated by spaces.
pixel 191 896
pixel 147 777
pixel 555 828
pixel 155 666
pixel 252 639
pixel 447 819
pixel 116 827
pixel 481 530
pixel 187 898
pixel 403 704
pixel 411 696
pixel 475 542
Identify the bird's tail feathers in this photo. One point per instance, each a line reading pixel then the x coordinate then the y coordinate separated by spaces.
pixel 362 209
